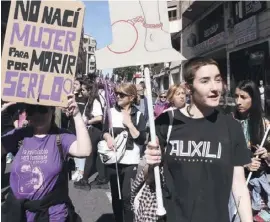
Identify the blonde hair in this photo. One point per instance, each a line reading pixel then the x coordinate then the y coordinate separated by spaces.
pixel 172 90
pixel 128 89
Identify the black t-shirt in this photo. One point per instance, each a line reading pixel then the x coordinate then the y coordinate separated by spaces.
pixel 198 165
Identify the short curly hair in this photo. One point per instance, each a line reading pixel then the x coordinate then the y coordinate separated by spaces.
pixel 172 90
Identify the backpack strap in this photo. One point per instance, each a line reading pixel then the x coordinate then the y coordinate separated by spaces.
pixel 138 117
pixel 85 106
pixel 20 144
pixel 59 146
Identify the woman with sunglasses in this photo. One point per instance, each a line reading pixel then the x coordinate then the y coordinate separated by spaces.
pixel 249 113
pixel 161 104
pixel 125 117
pixel 39 177
pixel 204 155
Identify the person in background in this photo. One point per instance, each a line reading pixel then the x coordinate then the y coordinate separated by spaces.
pixel 161 104
pixel 93 116
pixel 142 106
pixel 77 87
pixel 142 100
pixel 65 120
pixel 125 117
pixel 8 113
pixel 81 98
pixel 225 94
pixel 176 96
pixel 39 172
pixel 21 120
pixel 249 114
pixel 101 94
pixel 262 94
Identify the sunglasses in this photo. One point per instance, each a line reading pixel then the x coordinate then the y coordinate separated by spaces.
pixel 32 109
pixel 163 97
pixel 121 95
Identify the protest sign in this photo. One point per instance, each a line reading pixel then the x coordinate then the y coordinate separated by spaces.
pixel 140 34
pixel 40 51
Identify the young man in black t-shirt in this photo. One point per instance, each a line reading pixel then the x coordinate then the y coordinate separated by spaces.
pixel 205 153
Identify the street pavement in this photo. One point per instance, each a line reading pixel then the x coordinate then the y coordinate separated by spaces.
pixel 92 206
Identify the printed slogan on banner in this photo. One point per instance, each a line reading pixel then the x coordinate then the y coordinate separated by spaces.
pixel 40 51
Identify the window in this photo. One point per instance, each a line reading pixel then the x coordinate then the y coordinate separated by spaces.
pixel 176 78
pixel 172 14
pixel 166 82
pixel 245 9
pixel 176 44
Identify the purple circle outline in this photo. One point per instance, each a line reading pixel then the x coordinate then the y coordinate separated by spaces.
pixel 64 88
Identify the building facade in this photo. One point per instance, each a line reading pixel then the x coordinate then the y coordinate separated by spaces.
pixel 90 46
pixel 236 34
pixel 167 74
pixel 80 69
pixel 5 5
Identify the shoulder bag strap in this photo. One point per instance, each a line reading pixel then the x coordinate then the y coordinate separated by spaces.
pixel 20 143
pixel 138 118
pixel 85 108
pixel 59 146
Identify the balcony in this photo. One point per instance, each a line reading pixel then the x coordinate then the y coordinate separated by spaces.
pixel 192 10
pixel 93 43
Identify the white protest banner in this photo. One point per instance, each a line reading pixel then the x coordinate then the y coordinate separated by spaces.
pixel 140 33
pixel 40 51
